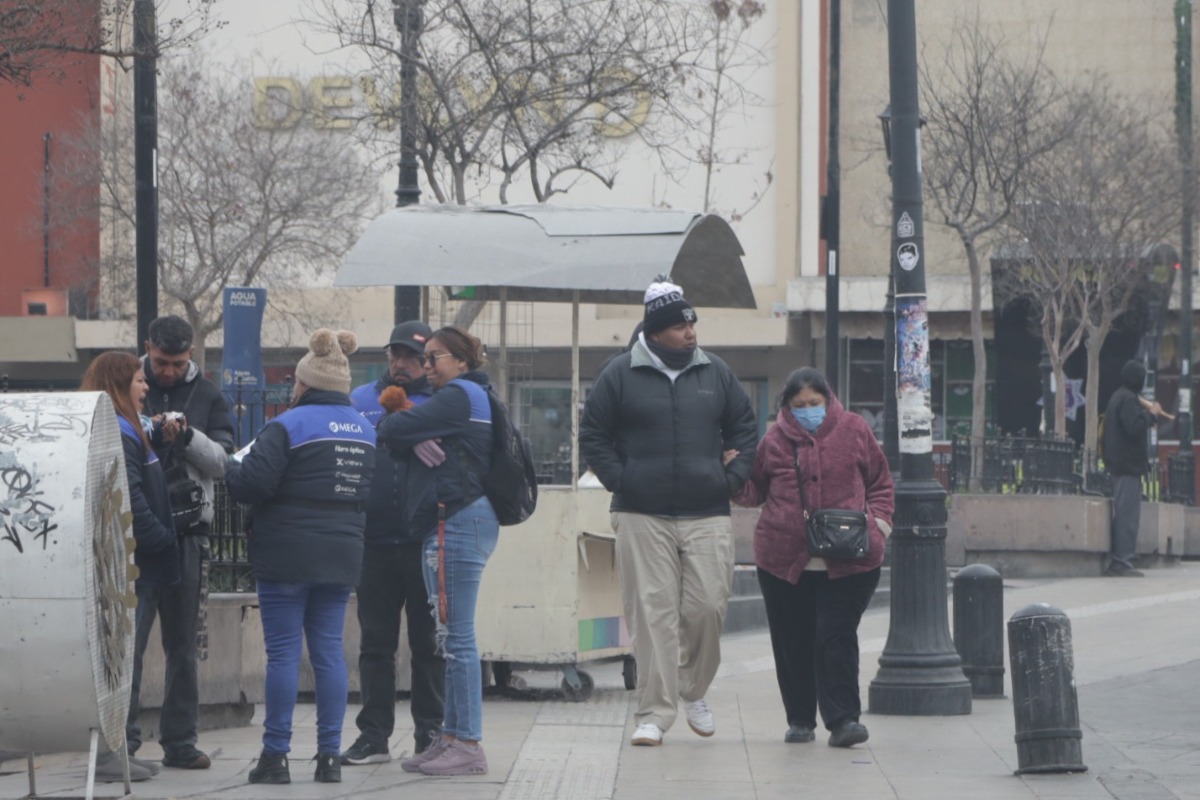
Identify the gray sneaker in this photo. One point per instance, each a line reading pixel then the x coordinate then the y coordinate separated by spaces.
pixel 153 766
pixel 413 763
pixel 108 769
pixel 457 758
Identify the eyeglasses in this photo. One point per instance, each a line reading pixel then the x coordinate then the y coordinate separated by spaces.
pixel 432 357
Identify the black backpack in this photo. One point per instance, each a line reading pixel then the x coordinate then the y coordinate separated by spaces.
pixel 510 483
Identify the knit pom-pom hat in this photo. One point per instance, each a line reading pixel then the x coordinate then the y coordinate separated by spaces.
pixel 665 306
pixel 325 365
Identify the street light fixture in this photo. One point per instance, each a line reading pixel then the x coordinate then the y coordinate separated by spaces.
pixel 920 673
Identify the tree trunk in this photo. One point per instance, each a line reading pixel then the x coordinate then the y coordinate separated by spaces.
pixel 200 341
pixel 1092 411
pixel 979 379
pixel 1060 397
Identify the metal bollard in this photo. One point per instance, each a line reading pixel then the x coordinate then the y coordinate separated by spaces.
pixel 979 628
pixel 1045 705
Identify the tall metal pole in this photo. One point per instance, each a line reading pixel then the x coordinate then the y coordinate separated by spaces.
pixel 830 211
pixel 409 21
pixel 145 145
pixel 920 672
pixel 1187 256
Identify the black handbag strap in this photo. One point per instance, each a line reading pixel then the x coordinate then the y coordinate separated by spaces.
pixel 800 480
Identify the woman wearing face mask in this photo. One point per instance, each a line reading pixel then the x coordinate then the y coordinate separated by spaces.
pixel 814 606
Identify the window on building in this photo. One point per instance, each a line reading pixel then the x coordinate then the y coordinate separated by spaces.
pixel 952 367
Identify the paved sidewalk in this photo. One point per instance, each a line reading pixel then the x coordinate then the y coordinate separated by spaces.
pixel 1137 656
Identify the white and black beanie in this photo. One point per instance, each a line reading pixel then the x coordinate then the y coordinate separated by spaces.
pixel 665 306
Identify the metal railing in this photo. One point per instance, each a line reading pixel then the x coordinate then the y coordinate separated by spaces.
pixel 1014 465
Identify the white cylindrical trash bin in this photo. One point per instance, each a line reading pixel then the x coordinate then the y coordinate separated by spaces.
pixel 66 577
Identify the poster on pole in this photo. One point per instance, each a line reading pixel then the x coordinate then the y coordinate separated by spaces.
pixel 913 390
pixel 242 378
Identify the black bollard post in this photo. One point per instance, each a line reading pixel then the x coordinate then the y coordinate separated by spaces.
pixel 1044 701
pixel 979 628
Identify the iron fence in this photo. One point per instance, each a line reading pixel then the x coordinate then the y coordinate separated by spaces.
pixel 1014 465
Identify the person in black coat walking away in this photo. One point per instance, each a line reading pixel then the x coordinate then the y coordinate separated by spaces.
pixel 1126 457
pixel 156 554
pixel 307 477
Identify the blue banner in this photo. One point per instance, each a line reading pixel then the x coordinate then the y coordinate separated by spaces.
pixel 242 379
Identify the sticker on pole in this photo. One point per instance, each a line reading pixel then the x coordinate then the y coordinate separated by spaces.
pixel 913 384
pixel 908 255
pixel 904 227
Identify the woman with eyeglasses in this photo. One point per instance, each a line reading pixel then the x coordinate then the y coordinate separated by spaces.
pixel 448 444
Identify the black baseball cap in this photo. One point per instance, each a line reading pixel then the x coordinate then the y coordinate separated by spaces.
pixel 412 334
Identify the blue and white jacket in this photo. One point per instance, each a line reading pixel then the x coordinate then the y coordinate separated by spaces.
pixel 308 478
pixel 459 414
pixel 157 552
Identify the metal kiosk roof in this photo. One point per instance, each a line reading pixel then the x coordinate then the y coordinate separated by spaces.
pixel 546 253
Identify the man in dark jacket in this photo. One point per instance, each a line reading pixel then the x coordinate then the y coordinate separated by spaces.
pixel 658 425
pixel 195 443
pixel 1126 456
pixel 392 579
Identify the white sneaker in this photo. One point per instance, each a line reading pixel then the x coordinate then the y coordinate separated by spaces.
pixel 700 718
pixel 647 735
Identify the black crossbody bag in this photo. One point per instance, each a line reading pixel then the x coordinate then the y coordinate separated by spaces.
pixel 833 532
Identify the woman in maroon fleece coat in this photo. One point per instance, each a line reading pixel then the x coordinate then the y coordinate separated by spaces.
pixel 814 606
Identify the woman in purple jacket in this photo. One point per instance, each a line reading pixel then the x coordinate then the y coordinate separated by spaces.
pixel 814 606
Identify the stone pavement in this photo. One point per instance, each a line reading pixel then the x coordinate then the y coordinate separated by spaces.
pixel 1137 656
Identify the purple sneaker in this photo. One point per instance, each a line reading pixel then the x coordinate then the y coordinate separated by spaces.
pixel 413 763
pixel 457 759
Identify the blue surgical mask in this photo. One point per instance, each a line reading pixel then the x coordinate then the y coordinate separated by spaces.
pixel 810 417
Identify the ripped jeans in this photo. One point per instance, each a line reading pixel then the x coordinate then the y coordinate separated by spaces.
pixel 470 539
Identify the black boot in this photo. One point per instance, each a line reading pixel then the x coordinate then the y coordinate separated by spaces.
pixel 329 768
pixel 271 768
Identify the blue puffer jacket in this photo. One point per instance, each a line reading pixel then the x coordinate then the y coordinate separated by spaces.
pixel 157 552
pixel 460 416
pixel 308 477
pixel 385 509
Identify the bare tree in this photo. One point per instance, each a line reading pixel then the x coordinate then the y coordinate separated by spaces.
pixel 45 37
pixel 539 91
pixel 238 205
pixel 1097 208
pixel 989 119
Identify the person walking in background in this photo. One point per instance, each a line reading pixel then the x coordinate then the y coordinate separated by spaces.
pixel 393 578
pixel 193 437
pixel 445 503
pixel 814 606
pixel 656 429
pixel 307 478
pixel 1126 457
pixel 119 375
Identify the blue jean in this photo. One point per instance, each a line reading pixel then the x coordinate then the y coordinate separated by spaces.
pixel 291 613
pixel 471 536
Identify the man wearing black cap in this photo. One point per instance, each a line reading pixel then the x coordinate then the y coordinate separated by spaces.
pixel 669 430
pixel 392 579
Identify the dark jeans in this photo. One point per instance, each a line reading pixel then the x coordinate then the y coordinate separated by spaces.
pixel 391 581
pixel 178 611
pixel 1126 518
pixel 814 635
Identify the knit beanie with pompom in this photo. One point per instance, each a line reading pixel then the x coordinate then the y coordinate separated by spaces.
pixel 665 306
pixel 325 365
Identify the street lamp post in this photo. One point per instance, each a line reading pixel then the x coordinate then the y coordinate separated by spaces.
pixel 831 209
pixel 409 21
pixel 1187 256
pixel 891 444
pixel 145 148
pixel 920 672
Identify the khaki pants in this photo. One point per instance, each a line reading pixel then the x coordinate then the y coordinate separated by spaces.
pixel 676 578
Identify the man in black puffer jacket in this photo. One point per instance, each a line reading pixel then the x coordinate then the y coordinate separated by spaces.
pixel 669 431
pixel 1126 423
